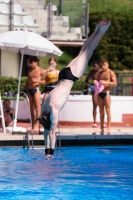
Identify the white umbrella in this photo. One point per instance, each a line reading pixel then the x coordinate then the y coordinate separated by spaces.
pixel 28 43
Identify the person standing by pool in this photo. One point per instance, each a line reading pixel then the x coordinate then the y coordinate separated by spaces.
pixel 107 78
pixel 67 76
pixel 51 77
pixel 32 88
pixel 93 75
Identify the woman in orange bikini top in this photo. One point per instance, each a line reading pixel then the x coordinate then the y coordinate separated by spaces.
pixel 51 77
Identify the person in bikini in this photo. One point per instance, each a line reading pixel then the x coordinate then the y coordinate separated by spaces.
pixel 57 98
pixel 93 75
pixel 35 78
pixel 51 77
pixel 106 78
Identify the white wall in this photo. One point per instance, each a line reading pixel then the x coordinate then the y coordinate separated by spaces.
pixel 79 109
pixel 9 63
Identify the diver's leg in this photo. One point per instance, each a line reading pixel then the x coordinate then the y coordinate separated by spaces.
pixel 80 64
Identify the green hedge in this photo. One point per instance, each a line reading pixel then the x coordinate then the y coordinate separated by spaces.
pixel 80 85
pixel 11 84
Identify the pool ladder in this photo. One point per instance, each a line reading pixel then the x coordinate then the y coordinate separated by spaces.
pixel 27 140
pixel 27 134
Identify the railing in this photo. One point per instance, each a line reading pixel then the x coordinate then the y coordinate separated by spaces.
pixel 122 89
pixel 124 85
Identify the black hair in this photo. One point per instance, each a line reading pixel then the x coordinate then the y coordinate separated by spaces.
pixel 33 59
pixel 96 62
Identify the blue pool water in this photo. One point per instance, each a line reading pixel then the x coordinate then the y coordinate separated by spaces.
pixel 76 173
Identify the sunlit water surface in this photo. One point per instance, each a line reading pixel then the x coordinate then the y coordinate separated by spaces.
pixel 76 173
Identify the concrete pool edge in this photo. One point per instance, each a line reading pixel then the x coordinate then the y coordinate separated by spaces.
pixel 70 139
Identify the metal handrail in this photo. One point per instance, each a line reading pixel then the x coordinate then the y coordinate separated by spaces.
pixel 27 135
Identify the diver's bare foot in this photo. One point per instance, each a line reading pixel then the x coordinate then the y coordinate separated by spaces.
pixel 103 25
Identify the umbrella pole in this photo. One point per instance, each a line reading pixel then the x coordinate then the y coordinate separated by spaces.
pixel 19 82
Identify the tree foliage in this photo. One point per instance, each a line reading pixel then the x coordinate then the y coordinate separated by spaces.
pixel 117 43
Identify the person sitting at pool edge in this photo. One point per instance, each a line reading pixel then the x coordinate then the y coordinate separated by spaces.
pixel 8 113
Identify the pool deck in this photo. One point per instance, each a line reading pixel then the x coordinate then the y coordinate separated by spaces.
pixel 71 135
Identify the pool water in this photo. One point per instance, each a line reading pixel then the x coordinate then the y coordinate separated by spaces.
pixel 76 173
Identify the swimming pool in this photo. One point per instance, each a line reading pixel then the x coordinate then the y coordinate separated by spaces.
pixel 76 173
